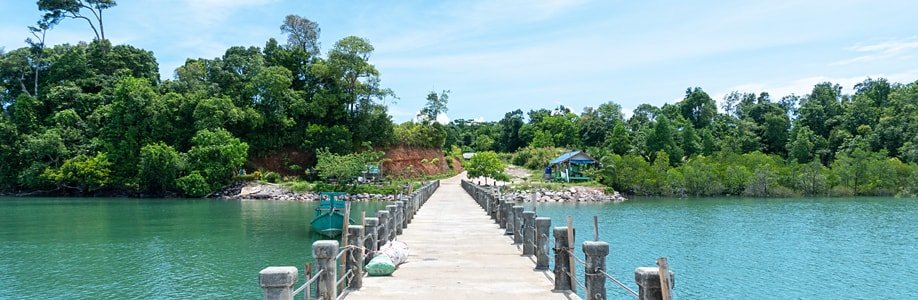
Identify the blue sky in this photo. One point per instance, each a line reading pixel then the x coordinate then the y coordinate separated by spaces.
pixel 496 56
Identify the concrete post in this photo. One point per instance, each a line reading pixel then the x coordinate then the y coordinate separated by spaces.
pixel 370 230
pixel 393 219
pixel 508 220
pixel 542 225
pixel 517 224
pixel 562 260
pixel 494 204
pixel 324 252
pixel 528 233
pixel 596 252
pixel 402 217
pixel 354 257
pixel 648 281
pixel 382 235
pixel 277 282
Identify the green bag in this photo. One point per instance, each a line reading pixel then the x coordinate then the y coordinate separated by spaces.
pixel 380 265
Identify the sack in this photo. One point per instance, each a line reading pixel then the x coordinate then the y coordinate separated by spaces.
pixel 396 250
pixel 380 265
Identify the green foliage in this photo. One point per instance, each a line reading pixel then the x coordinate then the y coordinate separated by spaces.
pixel 82 172
pixel 436 105
pixel 486 164
pixel 424 135
pixel 160 165
pixel 272 177
pixel 535 158
pixel 343 168
pixel 216 156
pixel 194 185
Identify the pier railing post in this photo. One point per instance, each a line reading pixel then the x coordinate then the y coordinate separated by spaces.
pixel 402 217
pixel 517 224
pixel 382 235
pixel 324 252
pixel 528 233
pixel 595 282
pixel 543 227
pixel 494 204
pixel 393 219
pixel 563 280
pixel 370 232
pixel 354 257
pixel 648 281
pixel 508 220
pixel 277 282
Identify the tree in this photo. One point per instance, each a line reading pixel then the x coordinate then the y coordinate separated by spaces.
pixel 302 33
pixel 486 164
pixel 344 168
pixel 159 167
pixel 216 155
pixel 662 138
pixel 83 173
pixel 618 140
pixel 509 139
pixel 698 107
pixel 436 105
pixel 56 10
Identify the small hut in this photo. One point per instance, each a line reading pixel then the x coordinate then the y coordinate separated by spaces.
pixel 569 166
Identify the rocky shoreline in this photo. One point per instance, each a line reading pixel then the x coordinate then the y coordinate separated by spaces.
pixel 276 192
pixel 573 195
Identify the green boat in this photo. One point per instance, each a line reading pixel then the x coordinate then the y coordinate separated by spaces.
pixel 329 219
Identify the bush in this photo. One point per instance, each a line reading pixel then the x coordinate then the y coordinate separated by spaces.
pixel 159 166
pixel 272 177
pixel 535 158
pixel 193 185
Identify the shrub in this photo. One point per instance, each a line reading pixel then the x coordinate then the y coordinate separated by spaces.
pixel 272 177
pixel 193 185
pixel 159 166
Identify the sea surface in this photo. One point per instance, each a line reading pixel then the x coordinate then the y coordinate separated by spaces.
pixel 719 248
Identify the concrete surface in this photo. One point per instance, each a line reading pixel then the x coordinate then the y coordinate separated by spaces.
pixel 458 252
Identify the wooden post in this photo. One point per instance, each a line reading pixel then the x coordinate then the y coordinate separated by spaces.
pixel 370 231
pixel 528 233
pixel 665 289
pixel 570 242
pixel 543 225
pixel 563 280
pixel 594 281
pixel 517 224
pixel 324 252
pixel 648 281
pixel 382 235
pixel 354 258
pixel 307 292
pixel 277 282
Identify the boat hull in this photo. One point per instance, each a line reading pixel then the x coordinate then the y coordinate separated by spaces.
pixel 329 224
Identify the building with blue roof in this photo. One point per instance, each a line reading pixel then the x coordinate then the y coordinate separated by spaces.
pixel 569 166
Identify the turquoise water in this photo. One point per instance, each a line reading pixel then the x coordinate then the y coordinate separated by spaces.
pixel 865 248
pixel 142 248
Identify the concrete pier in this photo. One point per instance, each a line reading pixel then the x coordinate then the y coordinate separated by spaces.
pixel 458 252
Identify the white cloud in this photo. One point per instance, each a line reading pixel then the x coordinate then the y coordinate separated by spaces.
pixel 890 49
pixel 804 86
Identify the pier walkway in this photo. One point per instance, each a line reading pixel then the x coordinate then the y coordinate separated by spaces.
pixel 458 252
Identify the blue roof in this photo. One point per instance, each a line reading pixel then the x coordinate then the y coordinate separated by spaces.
pixel 567 156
